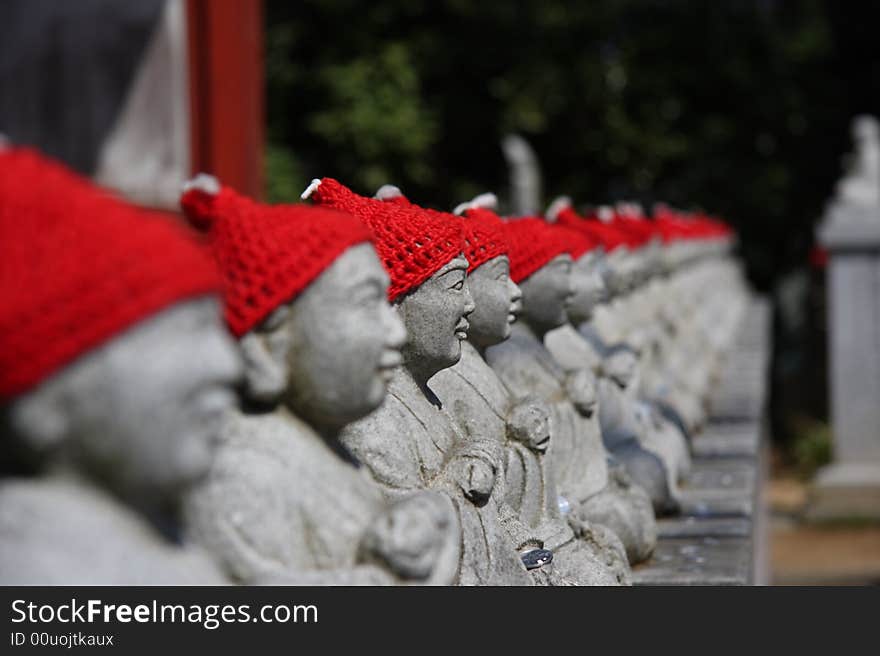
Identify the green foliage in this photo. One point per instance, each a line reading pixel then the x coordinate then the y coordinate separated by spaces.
pixel 284 178
pixel 375 113
pixel 812 446
pixel 737 107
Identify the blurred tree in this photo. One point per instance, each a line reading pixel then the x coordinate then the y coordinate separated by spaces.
pixel 739 107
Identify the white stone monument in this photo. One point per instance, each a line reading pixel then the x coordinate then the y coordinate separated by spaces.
pixel 850 486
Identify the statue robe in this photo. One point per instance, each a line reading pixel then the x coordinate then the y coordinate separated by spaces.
pixel 407 444
pixel 576 453
pixel 60 531
pixel 480 403
pixel 281 505
pixel 620 411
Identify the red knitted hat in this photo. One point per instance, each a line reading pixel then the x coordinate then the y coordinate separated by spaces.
pixel 80 266
pixel 482 232
pixel 606 235
pixel 484 237
pixel 412 243
pixel 577 242
pixel 267 254
pixel 533 243
pixel 638 231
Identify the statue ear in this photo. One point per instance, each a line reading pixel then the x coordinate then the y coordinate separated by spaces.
pixel 265 351
pixel 39 419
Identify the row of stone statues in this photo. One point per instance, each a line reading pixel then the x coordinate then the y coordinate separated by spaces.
pixel 398 395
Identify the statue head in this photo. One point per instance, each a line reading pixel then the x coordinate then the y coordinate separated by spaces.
pixel 498 302
pixel 588 287
pixel 306 294
pixel 328 355
pixel 436 318
pixel 497 297
pixel 117 365
pixel 546 294
pixel 614 269
pixel 140 413
pixel 422 253
pixel 541 265
pixel 587 284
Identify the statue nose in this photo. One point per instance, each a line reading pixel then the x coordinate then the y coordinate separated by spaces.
pixel 515 291
pixel 395 330
pixel 469 305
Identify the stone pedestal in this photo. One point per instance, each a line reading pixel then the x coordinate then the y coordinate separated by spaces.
pixel 849 488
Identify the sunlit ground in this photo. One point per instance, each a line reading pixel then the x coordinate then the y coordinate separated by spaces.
pixel 816 554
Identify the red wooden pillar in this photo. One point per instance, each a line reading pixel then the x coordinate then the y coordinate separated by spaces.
pixel 227 119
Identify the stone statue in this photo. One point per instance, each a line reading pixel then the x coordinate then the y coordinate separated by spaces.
pixel 115 371
pixel 484 409
pixel 286 502
pixel 588 489
pixel 624 415
pixel 627 306
pixel 410 443
pixel 861 184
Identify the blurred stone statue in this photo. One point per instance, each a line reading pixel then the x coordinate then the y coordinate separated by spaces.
pixel 410 443
pixel 484 408
pixel 114 373
pixel 525 175
pixel 540 264
pixel 286 502
pixel 861 183
pixel 617 347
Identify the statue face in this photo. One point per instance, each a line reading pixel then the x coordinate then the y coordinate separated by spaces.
pixel 588 287
pixel 436 320
pixel 613 271
pixel 498 302
pixel 344 342
pixel 546 294
pixel 141 413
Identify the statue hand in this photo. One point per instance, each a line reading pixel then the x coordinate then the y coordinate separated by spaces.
pixel 475 477
pixel 408 537
pixel 528 422
pixel 581 390
pixel 620 367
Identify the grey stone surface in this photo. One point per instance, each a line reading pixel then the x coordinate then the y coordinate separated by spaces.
pixel 716 527
pixel 114 468
pixel 729 440
pixel 721 474
pixel 697 561
pixel 716 503
pixel 719 540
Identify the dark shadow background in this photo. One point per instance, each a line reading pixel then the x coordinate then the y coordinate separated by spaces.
pixel 739 107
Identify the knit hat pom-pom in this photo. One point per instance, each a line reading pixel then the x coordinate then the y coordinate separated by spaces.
pixel 488 201
pixel 314 184
pixel 198 200
pixel 388 192
pixel 559 204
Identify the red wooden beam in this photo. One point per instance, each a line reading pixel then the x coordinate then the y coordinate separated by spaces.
pixel 226 82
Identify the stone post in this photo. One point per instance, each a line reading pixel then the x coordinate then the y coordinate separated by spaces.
pixel 850 486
